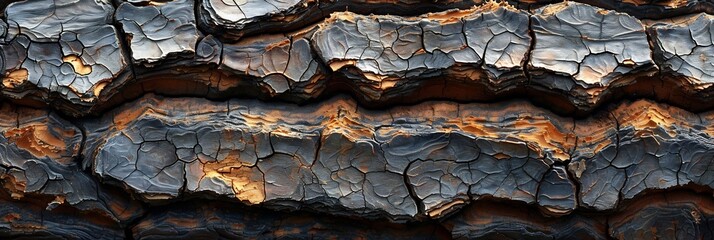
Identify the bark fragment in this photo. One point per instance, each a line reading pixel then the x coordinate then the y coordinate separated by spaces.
pixel 161 31
pixel 67 49
pixel 486 45
pixel 583 50
pixel 682 49
pixel 556 193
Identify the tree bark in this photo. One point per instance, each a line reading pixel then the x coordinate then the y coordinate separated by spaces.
pixel 147 119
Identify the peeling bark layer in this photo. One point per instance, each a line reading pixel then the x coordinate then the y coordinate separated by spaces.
pixel 427 159
pixel 239 18
pixel 571 56
pixel 166 119
pixel 683 48
pixel 486 45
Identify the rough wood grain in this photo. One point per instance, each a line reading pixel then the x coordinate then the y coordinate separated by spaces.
pixel 226 220
pixel 494 220
pixel 682 215
pixel 29 219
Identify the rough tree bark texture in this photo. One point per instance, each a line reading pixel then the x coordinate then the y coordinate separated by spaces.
pixel 263 119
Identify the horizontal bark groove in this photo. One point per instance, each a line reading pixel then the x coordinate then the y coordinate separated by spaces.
pixel 484 53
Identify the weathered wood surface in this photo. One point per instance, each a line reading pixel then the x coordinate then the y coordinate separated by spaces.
pixel 166 119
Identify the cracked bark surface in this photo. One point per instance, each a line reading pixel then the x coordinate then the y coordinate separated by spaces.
pixel 572 56
pixel 261 119
pixel 159 32
pixel 405 164
pixel 44 186
pixel 605 48
pixel 66 50
pixel 235 19
pixel 485 45
pixel 239 18
pixel 682 49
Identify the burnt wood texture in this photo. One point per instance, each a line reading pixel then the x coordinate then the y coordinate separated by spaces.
pixel 408 119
